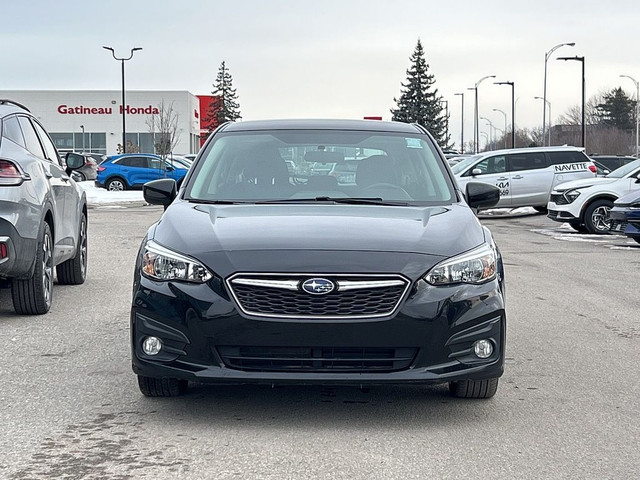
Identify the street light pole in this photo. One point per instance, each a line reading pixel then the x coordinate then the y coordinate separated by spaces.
pixel 584 127
pixel 547 103
pixel 491 130
pixel 487 138
pixel 544 93
pixel 461 123
pixel 505 125
pixel 513 111
pixel 476 122
pixel 637 107
pixel 82 128
pixel 122 60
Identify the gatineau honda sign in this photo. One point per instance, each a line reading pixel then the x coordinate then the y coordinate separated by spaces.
pixel 129 110
pixel 96 116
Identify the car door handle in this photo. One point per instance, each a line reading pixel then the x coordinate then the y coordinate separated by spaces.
pixel 503 178
pixel 48 174
pixel 65 178
pixel 517 177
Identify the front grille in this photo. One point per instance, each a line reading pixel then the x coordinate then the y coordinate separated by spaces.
pixel 317 359
pixel 282 296
pixel 558 199
pixel 617 226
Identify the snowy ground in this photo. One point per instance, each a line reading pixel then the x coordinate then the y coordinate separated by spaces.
pixel 97 197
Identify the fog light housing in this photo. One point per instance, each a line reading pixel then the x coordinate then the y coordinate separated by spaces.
pixel 152 345
pixel 483 348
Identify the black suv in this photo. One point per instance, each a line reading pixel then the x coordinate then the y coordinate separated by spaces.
pixel 612 162
pixel 255 274
pixel 43 213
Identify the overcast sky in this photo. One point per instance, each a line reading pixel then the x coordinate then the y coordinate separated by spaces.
pixel 327 59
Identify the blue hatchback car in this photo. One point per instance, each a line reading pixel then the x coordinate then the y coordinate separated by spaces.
pixel 625 215
pixel 121 172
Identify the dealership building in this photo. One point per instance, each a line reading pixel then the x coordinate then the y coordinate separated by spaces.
pixel 91 120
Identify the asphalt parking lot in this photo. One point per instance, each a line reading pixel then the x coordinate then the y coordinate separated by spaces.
pixel 567 407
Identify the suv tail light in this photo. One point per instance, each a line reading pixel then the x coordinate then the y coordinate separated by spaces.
pixel 3 251
pixel 10 174
pixel 101 169
pixel 593 168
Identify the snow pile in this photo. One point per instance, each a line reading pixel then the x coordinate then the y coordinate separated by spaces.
pixel 100 196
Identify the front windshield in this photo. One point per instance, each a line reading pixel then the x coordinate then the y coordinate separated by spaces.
pixel 295 165
pixel 462 165
pixel 624 170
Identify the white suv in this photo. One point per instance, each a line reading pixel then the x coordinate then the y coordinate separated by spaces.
pixel 525 176
pixel 585 204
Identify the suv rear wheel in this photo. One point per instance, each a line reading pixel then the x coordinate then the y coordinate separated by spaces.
pixel 74 270
pixel 33 296
pixel 116 184
pixel 596 216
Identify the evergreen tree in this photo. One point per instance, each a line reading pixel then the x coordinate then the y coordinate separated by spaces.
pixel 225 108
pixel 419 101
pixel 617 110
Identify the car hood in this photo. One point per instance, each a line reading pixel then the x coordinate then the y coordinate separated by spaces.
pixel 631 197
pixel 318 238
pixel 584 183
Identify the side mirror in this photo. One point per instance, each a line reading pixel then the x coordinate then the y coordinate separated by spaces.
pixel 74 161
pixel 482 195
pixel 476 171
pixel 160 192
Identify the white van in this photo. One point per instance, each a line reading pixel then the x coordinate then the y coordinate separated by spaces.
pixel 525 176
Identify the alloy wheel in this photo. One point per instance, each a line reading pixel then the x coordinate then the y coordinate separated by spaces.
pixel 600 218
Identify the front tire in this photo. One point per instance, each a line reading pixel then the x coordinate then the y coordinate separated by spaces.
pixel 596 216
pixel 474 388
pixel 161 387
pixel 577 226
pixel 74 270
pixel 33 296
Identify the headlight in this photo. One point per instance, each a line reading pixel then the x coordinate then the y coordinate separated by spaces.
pixel 160 263
pixel 571 195
pixel 476 266
pixel 635 206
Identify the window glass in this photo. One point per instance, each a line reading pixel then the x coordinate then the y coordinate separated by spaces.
pixel 30 137
pixel 62 141
pixel 98 141
pixel 11 130
pixel 297 164
pixel 490 165
pixel 49 149
pixel 81 142
pixel 571 156
pixel 527 161
pixel 153 162
pixel 146 143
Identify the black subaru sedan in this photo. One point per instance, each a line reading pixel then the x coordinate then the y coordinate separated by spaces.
pixel 266 268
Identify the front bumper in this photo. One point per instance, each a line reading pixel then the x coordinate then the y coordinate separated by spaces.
pixel 625 221
pixel 563 213
pixel 428 340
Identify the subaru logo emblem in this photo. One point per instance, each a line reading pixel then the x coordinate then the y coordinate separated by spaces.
pixel 318 286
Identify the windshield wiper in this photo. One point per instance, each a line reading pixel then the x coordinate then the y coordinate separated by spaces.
pixel 215 202
pixel 344 200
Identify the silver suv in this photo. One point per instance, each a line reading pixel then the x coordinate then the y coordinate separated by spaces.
pixel 43 213
pixel 525 176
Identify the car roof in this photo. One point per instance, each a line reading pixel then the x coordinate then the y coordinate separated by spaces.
pixel 320 124
pixel 564 148
pixel 8 107
pixel 123 155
